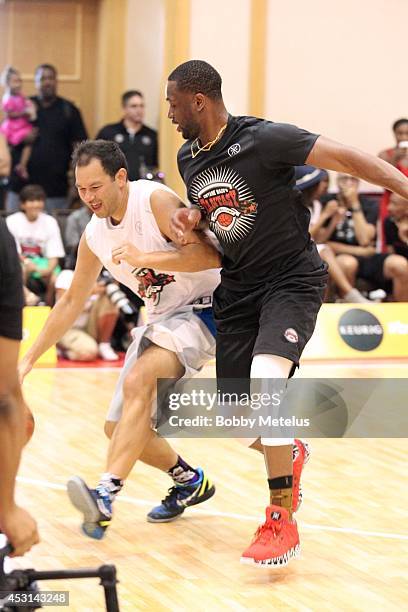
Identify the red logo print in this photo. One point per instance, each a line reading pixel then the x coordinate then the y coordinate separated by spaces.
pixel 151 283
pixel 227 202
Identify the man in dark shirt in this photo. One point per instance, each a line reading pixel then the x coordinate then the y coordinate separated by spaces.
pixel 60 127
pixel 239 173
pixel 137 141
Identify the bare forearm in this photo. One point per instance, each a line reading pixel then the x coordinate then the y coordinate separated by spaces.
pixel 373 170
pixel 350 249
pixel 60 320
pixel 335 156
pixel 191 258
pixel 363 230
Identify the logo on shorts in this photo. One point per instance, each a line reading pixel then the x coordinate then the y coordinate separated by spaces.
pixel 360 329
pixel 227 202
pixel 291 335
pixel 151 283
pixel 234 149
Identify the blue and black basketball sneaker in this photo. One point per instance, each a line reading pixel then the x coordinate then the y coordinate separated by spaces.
pixel 94 504
pixel 181 497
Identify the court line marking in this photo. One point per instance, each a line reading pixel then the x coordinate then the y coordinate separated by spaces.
pixel 242 517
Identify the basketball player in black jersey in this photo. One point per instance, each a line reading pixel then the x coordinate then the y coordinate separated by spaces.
pixel 15 418
pixel 239 174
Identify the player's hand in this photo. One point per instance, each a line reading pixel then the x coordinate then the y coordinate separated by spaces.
pixel 20 529
pixel 24 367
pixel 183 221
pixel 129 253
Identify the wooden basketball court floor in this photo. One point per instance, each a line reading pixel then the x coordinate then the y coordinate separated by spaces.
pixel 352 522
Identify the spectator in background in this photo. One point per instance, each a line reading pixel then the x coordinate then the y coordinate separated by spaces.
pixel 60 128
pixel 76 223
pixel 5 167
pixel 313 183
pixel 19 111
pixel 352 239
pixel 395 226
pixel 39 239
pixel 398 157
pixel 91 333
pixel 137 141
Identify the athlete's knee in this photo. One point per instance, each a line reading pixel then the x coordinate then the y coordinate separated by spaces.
pixel 138 386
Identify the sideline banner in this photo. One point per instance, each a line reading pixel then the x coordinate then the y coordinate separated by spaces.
pixel 356 331
pixel 34 318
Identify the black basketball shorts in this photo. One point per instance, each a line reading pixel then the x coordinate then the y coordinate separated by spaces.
pixel 276 319
pixel 11 287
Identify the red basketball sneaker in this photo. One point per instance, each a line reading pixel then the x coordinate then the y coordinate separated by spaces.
pixel 275 542
pixel 301 454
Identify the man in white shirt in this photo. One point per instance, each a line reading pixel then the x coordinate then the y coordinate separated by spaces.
pixel 176 283
pixel 39 239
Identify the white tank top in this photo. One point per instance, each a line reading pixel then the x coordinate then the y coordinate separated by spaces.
pixel 161 290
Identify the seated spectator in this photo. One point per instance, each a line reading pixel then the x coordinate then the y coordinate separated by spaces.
pixel 5 166
pixel 313 183
pixel 352 240
pixel 76 223
pixel 39 240
pixel 137 141
pixel 91 333
pixel 398 157
pixel 395 226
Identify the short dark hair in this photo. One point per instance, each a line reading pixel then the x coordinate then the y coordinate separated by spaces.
pixel 46 67
pixel 29 193
pixel 398 123
pixel 197 76
pixel 106 151
pixel 129 94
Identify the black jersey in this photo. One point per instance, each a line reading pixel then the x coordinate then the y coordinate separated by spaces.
pixel 245 186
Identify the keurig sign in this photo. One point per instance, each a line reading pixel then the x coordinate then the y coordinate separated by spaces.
pixel 360 329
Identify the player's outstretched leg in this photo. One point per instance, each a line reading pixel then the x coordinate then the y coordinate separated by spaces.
pixel 131 439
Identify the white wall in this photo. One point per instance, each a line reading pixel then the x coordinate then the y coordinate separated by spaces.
pixel 339 67
pixel 144 53
pixel 219 34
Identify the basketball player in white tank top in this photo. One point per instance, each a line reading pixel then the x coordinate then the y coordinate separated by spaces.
pixel 129 234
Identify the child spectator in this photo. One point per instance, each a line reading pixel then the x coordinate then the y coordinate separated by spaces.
pixel 19 112
pixel 39 240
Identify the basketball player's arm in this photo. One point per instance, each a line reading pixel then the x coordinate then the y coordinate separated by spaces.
pixel 333 155
pixel 194 253
pixel 68 308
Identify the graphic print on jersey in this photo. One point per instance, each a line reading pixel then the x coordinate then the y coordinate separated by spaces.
pixel 227 201
pixel 151 283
